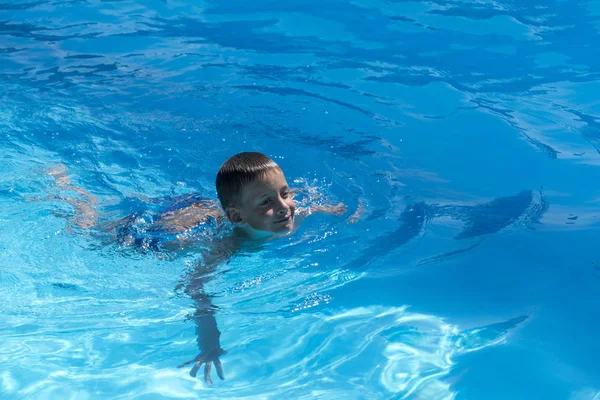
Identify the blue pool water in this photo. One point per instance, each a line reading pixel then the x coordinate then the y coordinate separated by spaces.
pixel 468 131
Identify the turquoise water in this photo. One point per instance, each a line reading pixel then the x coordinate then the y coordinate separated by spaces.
pixel 468 131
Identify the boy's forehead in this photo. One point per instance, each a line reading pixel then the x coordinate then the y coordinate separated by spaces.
pixel 272 180
pixel 274 174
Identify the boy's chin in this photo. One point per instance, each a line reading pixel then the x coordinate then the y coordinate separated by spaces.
pixel 283 227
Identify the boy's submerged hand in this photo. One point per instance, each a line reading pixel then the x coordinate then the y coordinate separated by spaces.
pixel 207 359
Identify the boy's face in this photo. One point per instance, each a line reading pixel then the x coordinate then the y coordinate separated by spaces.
pixel 266 204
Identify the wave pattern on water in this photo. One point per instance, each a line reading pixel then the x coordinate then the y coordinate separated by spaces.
pixel 407 354
pixel 466 134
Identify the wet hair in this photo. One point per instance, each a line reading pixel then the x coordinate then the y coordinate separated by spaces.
pixel 238 171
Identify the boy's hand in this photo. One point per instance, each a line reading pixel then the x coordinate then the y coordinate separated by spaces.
pixel 357 214
pixel 207 360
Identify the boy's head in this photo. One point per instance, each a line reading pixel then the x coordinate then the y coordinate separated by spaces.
pixel 252 189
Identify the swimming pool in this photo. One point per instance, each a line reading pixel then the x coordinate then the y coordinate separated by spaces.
pixel 468 131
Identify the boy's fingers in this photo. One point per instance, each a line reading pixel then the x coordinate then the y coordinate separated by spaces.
pixel 207 367
pixel 186 363
pixel 198 358
pixel 194 370
pixel 219 369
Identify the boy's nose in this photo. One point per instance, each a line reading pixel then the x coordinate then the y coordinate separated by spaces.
pixel 283 207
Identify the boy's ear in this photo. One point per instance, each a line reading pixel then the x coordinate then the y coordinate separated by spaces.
pixel 234 215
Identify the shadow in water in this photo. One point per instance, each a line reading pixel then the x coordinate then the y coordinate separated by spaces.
pixel 480 221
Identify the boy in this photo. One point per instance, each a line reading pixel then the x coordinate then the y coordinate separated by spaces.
pixel 254 196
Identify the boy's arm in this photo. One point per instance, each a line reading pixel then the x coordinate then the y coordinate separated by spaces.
pixel 208 339
pixel 207 332
pixel 339 209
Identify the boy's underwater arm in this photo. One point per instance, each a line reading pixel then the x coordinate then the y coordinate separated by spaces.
pixel 207 332
pixel 207 338
pixel 339 209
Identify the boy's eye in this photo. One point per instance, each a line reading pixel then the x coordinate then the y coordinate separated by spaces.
pixel 285 194
pixel 264 202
